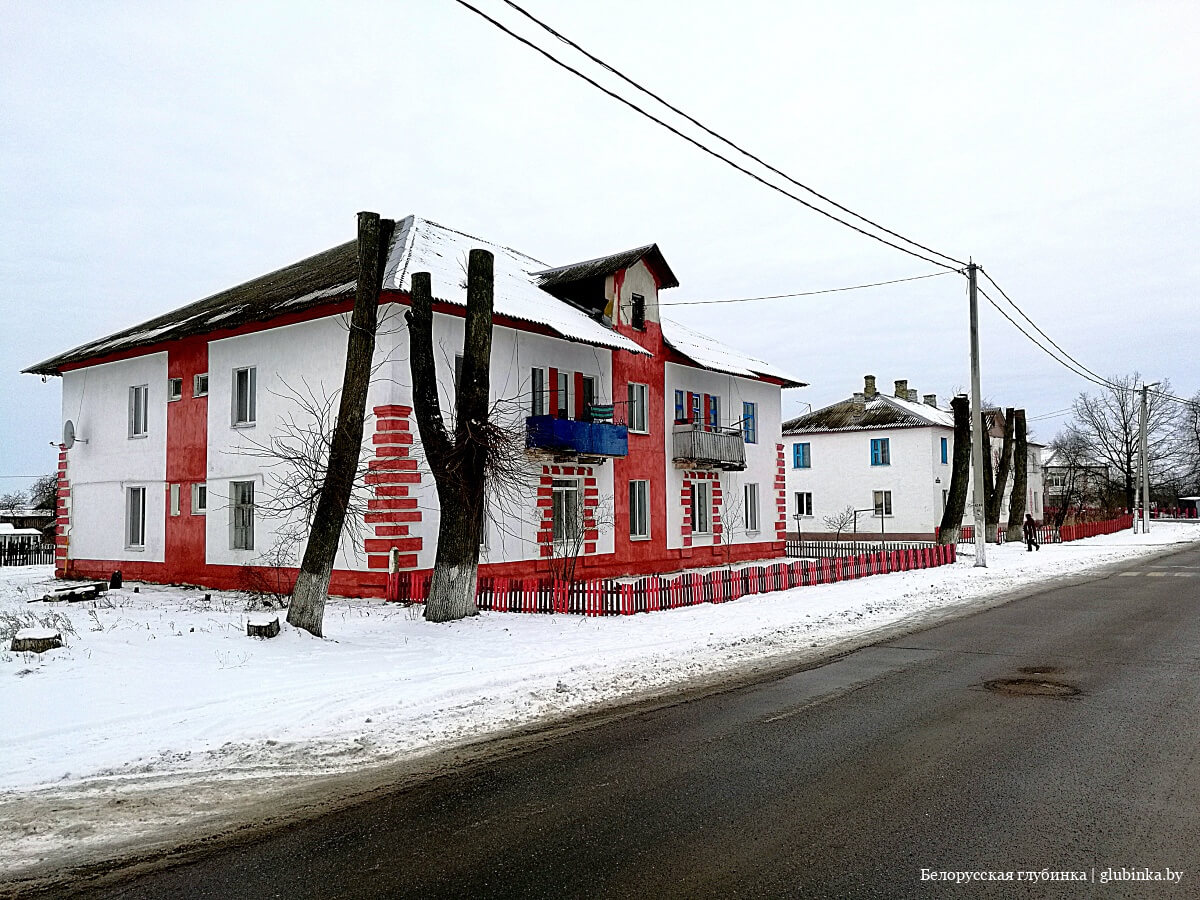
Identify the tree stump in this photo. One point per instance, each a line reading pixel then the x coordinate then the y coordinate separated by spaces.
pixel 35 640
pixel 262 628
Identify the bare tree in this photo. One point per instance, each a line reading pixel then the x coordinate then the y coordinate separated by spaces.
pixel 577 523
pixel 1020 465
pixel 839 521
pixel 995 487
pixel 960 473
pixel 1108 423
pixel 1187 442
pixel 13 501
pixel 44 493
pixel 1075 478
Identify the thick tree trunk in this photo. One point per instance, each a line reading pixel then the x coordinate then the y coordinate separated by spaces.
pixel 1016 506
pixel 459 466
pixel 960 473
pixel 307 607
pixel 995 498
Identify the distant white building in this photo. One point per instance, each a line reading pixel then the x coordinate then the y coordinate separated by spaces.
pixel 887 459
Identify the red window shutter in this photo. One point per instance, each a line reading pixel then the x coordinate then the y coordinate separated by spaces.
pixel 707 408
pixel 691 399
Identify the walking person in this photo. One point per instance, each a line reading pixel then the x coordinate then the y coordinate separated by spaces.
pixel 1030 529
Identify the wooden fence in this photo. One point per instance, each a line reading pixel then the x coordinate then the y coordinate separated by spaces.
pixel 805 549
pixel 1093 529
pixel 23 555
pixel 609 597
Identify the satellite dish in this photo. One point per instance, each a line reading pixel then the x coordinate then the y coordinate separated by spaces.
pixel 68 434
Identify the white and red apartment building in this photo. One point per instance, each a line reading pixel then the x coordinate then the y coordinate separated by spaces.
pixel 650 448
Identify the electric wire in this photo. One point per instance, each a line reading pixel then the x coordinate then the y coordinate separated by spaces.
pixel 720 137
pixel 691 140
pixel 853 287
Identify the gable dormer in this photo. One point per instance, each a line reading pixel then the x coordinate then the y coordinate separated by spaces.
pixel 619 289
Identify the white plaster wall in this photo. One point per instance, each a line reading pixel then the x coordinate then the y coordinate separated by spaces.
pixel 760 457
pixel 841 475
pixel 105 460
pixel 638 280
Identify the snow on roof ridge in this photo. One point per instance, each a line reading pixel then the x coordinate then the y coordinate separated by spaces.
pixel 712 354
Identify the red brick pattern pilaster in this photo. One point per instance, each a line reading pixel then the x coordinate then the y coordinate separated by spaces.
pixel 545 507
pixel 685 503
pixel 780 495
pixel 392 475
pixel 62 510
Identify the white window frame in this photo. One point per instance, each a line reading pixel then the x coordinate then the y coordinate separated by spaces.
pixel 701 511
pixel 251 412
pixel 565 516
pixel 139 411
pixel 537 391
pixel 173 498
pixel 750 493
pixel 241 532
pixel 639 510
pixel 174 389
pixel 135 518
pixel 804 505
pixel 565 381
pixel 199 498
pixel 200 385
pixel 881 498
pixel 638 414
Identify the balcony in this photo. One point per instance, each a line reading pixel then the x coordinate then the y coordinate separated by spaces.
pixel 569 439
pixel 697 446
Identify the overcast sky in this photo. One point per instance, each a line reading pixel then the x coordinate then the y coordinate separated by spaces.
pixel 152 154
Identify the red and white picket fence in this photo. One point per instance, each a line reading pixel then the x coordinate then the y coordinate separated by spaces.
pixel 609 597
pixel 1094 529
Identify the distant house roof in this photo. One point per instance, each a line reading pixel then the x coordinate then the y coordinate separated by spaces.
pixel 881 411
pixel 420 245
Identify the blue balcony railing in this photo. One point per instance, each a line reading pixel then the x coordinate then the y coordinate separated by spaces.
pixel 568 436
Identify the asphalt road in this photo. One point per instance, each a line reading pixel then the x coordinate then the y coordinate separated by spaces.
pixel 841 781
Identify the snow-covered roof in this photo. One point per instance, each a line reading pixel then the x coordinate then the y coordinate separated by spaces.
pixel 711 354
pixel 881 411
pixel 606 265
pixel 8 530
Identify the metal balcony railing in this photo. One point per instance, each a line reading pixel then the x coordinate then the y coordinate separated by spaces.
pixel 571 437
pixel 705 447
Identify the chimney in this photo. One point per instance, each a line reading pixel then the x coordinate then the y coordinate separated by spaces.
pixel 869 391
pixel 931 400
pixel 902 389
pixel 912 395
pixel 859 403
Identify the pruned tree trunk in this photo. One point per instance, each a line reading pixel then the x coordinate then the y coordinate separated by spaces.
pixel 1016 506
pixel 458 464
pixel 307 607
pixel 995 498
pixel 262 628
pixel 960 473
pixel 35 640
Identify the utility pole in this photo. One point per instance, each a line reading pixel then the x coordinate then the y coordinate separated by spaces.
pixel 978 438
pixel 1144 418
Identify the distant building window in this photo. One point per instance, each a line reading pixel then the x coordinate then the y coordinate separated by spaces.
pixel 881 453
pixel 800 456
pixel 174 490
pixel 174 388
pixel 750 422
pixel 803 503
pixel 639 399
pixel 637 317
pixel 945 451
pixel 139 397
pixel 244 389
pixel 639 510
pixel 751 493
pixel 200 385
pixel 701 507
pixel 680 407
pixel 565 510
pixel 135 518
pixel 241 508
pixel 199 499
pixel 883 503
pixel 537 383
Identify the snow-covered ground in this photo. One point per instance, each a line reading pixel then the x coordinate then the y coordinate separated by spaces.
pixel 161 690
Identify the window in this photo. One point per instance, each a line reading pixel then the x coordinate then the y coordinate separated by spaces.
pixel 883 503
pixel 800 456
pixel 945 500
pixel 637 413
pixel 639 510
pixel 680 407
pixel 695 401
pixel 803 503
pixel 458 364
pixel 138 408
pixel 135 518
pixel 564 395
pixel 241 499
pixel 945 451
pixel 750 422
pixel 537 381
pixel 174 388
pixel 200 385
pixel 565 510
pixel 199 499
pixel 701 507
pixel 637 316
pixel 243 396
pixel 174 499
pixel 881 454
pixel 712 411
pixel 751 492
pixel 591 386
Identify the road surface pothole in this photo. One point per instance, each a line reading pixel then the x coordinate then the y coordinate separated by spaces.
pixel 1040 670
pixel 1031 687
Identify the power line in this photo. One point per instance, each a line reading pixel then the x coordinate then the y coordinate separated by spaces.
pixel 691 140
pixel 853 287
pixel 722 138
